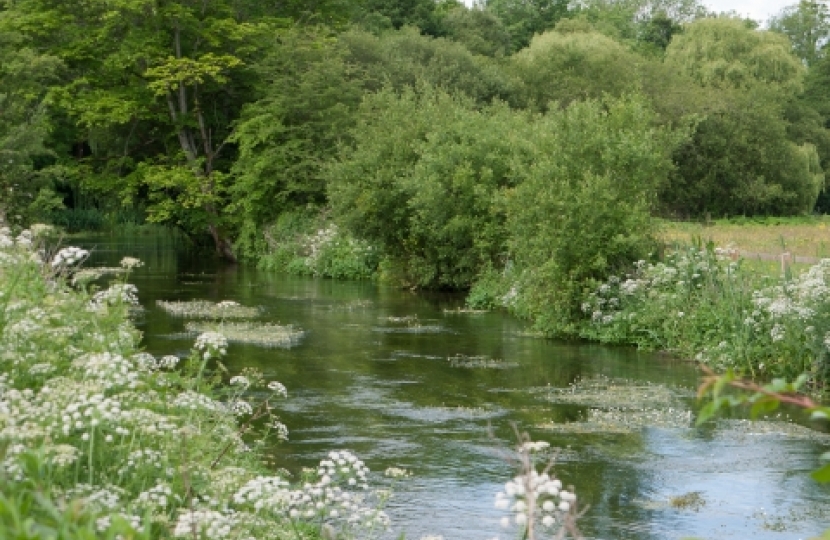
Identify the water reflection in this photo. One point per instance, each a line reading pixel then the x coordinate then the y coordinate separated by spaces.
pixel 366 378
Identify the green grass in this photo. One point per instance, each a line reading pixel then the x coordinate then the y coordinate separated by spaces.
pixel 807 236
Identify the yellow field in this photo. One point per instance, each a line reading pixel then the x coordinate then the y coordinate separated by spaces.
pixel 802 237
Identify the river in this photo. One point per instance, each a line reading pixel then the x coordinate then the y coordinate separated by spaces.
pixel 404 379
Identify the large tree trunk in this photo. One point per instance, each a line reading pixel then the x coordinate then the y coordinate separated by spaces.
pixel 178 104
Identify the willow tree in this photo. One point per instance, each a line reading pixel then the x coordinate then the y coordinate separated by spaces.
pixel 574 63
pixel 741 159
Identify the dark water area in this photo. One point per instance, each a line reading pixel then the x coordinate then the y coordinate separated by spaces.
pixel 403 380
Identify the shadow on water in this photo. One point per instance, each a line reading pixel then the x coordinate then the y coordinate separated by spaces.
pixel 404 381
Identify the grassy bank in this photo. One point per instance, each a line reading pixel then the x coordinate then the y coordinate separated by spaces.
pixel 807 236
pixel 708 304
pixel 720 293
pixel 101 440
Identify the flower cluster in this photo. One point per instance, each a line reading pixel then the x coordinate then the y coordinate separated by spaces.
pixel 211 344
pixel 331 499
pixel 125 439
pixel 128 263
pixel 117 294
pixel 536 499
pixel 69 256
pixel 206 524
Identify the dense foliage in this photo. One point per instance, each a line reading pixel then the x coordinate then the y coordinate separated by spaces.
pixel 441 136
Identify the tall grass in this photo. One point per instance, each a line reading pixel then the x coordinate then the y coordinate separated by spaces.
pixel 704 303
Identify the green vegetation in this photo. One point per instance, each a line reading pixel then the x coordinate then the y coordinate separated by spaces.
pixel 518 150
pixel 102 440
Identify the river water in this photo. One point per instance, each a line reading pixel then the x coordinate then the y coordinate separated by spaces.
pixel 405 380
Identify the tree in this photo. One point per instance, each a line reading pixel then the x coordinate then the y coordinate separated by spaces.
pixel 407 58
pixel 478 30
pixel 309 98
pixel 417 13
pixel 526 18
pixel 423 182
pixel 723 53
pixel 640 22
pixel 152 89
pixel 574 63
pixel 807 24
pixel 582 210
pixel 741 159
pixel 25 74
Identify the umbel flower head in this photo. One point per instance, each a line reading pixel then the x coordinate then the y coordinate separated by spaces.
pixel 537 500
pixel 69 256
pixel 211 344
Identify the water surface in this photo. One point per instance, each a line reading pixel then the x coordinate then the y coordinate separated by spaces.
pixel 402 380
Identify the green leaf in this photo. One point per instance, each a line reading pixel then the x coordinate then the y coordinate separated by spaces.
pixel 707 412
pixel 822 475
pixel 764 406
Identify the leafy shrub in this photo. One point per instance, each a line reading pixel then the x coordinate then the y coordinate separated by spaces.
pixel 583 208
pixel 424 183
pixel 406 58
pixel 562 67
pixel 703 303
pixel 305 244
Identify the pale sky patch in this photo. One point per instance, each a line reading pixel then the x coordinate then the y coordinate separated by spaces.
pixel 759 10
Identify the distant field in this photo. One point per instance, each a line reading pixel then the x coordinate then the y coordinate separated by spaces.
pixel 802 237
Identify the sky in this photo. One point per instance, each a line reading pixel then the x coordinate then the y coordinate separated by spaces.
pixel 759 10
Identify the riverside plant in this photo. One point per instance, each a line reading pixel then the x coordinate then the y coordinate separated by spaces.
pixel 536 502
pixel 101 440
pixel 702 303
pixel 305 246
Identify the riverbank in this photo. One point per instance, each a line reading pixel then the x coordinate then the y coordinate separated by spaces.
pixel 714 296
pixel 726 297
pixel 99 439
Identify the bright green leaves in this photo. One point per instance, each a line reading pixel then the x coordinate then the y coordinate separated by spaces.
pixel 724 53
pixel 807 24
pixel 424 182
pixel 562 67
pixel 582 209
pixel 172 72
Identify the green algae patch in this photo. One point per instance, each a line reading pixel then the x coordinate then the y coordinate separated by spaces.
pixel 620 406
pixel 604 392
pixel 203 309
pixel 621 421
pixel 252 333
pixel 479 362
pixel 465 311
pixel 407 325
pixel 692 500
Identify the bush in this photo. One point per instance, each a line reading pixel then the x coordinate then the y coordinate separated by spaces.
pixel 424 183
pixel 701 303
pixel 307 244
pixel 583 208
